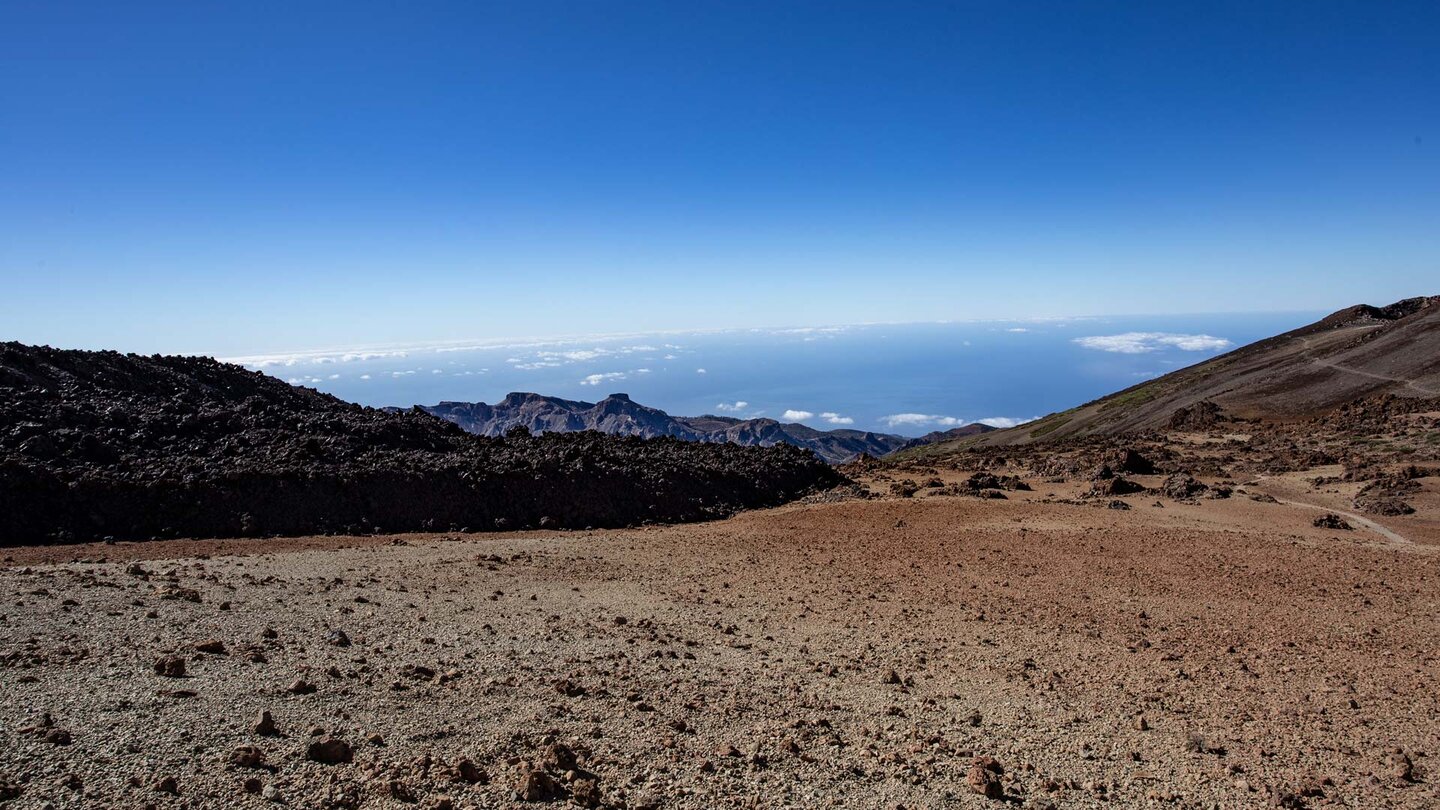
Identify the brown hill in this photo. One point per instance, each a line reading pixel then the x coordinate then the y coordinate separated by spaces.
pixel 1358 352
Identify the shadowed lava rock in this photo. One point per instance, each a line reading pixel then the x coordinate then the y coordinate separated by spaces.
pixel 265 725
pixel 1385 496
pixel 536 785
pixel 983 480
pixel 329 751
pixel 1332 521
pixel 1181 486
pixel 1200 416
pixel 1110 487
pixel 98 445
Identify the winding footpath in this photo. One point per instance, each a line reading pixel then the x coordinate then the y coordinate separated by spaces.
pixel 1304 341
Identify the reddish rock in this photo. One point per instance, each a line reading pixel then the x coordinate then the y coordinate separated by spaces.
pixel 170 666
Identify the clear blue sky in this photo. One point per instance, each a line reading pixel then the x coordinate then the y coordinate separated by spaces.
pixel 247 177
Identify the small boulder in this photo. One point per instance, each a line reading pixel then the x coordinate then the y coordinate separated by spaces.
pixel 329 751
pixel 265 725
pixel 560 757
pixel 1181 486
pixel 538 786
pixel 247 756
pixel 984 777
pixel 1332 521
pixel 170 666
pixel 470 773
pixel 1118 485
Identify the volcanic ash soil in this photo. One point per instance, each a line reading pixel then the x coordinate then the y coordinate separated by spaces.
pixel 943 650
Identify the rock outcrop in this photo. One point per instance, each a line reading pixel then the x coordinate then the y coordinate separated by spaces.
pixel 98 445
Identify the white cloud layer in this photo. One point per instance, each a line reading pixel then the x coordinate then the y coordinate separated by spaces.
pixel 732 407
pixel 321 358
pixel 919 420
pixel 797 416
pixel 1145 342
pixel 836 419
pixel 1004 421
pixel 596 379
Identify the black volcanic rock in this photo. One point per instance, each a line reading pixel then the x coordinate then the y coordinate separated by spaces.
pixel 617 414
pixel 102 444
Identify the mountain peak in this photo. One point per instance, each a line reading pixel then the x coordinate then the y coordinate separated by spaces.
pixel 619 414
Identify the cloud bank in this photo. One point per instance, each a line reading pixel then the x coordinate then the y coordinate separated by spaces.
pixel 1145 342
pixel 921 420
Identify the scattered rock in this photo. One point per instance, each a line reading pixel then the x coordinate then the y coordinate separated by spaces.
pixel 265 725
pixel 536 785
pixel 1181 486
pixel 247 756
pixel 586 793
pixel 984 777
pixel 1200 416
pixel 470 773
pixel 1118 485
pixel 170 666
pixel 560 757
pixel 329 751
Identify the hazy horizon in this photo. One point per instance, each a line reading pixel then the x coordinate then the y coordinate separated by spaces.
pixel 906 378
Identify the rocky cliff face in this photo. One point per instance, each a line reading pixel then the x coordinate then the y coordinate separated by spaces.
pixel 617 414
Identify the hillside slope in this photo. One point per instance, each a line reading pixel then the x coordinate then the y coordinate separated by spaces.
pixel 1358 352
pixel 102 444
pixel 617 414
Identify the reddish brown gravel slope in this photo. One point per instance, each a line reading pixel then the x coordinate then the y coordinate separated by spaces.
pixel 1222 653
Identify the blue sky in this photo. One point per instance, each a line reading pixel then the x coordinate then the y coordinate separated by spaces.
pixel 250 177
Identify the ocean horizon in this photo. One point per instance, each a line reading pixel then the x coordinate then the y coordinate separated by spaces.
pixel 907 378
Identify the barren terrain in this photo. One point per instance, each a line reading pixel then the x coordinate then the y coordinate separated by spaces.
pixel 859 653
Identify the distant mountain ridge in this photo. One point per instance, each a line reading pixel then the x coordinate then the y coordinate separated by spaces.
pixel 617 414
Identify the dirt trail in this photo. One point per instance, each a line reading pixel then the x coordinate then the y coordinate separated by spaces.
pixel 1305 341
pixel 1392 536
